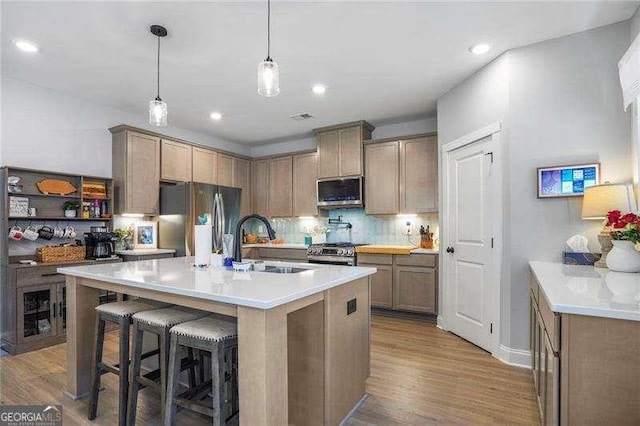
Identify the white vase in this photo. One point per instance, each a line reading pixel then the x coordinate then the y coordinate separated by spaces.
pixel 70 213
pixel 623 257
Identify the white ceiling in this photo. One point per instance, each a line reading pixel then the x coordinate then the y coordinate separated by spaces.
pixel 381 61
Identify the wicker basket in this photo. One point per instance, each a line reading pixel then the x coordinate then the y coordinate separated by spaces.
pixel 60 253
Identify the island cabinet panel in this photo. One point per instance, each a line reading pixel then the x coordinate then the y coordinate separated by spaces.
pixel 225 170
pixel 242 180
pixel 205 165
pixel 136 172
pixel 347 348
pixel 415 289
pixel 305 175
pixel 419 175
pixel 175 161
pixel 260 187
pixel 381 182
pixel 280 187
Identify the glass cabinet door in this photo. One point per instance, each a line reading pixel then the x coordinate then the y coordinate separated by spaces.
pixel 36 306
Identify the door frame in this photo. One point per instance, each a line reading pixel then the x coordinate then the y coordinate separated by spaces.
pixel 495 131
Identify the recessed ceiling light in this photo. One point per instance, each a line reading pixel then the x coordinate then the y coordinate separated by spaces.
pixel 26 45
pixel 319 89
pixel 215 116
pixel 479 49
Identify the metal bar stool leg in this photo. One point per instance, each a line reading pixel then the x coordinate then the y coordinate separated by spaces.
pixel 172 385
pixel 96 371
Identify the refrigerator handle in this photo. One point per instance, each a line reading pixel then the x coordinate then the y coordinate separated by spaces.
pixel 222 220
pixel 216 222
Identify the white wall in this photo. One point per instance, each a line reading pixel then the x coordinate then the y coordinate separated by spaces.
pixel 50 130
pixel 563 106
pixel 410 127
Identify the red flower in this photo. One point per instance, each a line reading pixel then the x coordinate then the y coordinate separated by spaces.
pixel 619 225
pixel 613 216
pixel 629 218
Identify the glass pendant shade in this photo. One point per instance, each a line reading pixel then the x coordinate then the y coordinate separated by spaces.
pixel 157 112
pixel 268 78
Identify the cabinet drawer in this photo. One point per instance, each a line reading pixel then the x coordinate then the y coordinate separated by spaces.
pixel 38 275
pixel 551 323
pixel 426 260
pixel 379 259
pixel 288 254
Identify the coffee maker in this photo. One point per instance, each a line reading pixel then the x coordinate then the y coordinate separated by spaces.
pixel 100 244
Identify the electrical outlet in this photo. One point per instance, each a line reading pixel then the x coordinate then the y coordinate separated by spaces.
pixel 408 230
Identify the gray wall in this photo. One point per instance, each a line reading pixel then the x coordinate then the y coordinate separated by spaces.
pixel 563 105
pixel 51 130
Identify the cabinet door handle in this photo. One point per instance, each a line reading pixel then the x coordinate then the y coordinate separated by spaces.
pixel 54 310
pixel 60 309
pixel 52 274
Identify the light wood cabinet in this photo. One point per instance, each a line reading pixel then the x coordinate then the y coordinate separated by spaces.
pixel 260 187
pixel 403 282
pixel 281 187
pixel 401 175
pixel 204 165
pixel 340 149
pixel 381 178
pixel 242 180
pixel 136 172
pixel 305 175
pixel 418 175
pixel 225 170
pixel 175 161
pixel 415 289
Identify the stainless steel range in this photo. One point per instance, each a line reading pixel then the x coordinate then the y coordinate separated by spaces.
pixel 333 253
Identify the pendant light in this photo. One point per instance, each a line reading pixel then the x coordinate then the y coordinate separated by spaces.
pixel 157 107
pixel 268 73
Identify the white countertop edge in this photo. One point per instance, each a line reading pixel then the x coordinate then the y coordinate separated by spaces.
pixel 142 252
pixel 226 299
pixel 581 310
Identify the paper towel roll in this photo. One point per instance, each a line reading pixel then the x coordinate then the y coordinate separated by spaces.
pixel 203 236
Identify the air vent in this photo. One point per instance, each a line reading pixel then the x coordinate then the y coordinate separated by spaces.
pixel 301 117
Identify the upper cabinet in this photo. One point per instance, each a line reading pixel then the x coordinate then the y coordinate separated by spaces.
pixel 401 176
pixel 204 165
pixel 136 171
pixel 281 187
pixel 340 149
pixel 175 161
pixel 225 170
pixel 260 187
pixel 305 175
pixel 242 180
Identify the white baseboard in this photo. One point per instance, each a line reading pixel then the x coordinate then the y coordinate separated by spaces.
pixel 440 323
pixel 516 357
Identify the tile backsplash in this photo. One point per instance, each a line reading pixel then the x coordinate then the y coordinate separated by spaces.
pixel 365 228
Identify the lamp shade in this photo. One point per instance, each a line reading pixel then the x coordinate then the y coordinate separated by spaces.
pixel 600 199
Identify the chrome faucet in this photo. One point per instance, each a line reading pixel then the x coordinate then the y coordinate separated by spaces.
pixel 237 256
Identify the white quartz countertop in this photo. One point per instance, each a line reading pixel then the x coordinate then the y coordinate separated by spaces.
pixel 263 290
pixel 585 290
pixel 282 246
pixel 143 252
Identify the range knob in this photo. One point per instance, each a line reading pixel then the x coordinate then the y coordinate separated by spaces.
pixel 340 252
pixel 350 252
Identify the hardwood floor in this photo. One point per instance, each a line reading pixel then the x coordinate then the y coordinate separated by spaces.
pixel 420 375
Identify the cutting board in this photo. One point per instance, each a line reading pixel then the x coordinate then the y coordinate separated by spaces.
pixel 373 249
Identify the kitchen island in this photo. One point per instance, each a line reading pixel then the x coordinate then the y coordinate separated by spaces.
pixel 303 337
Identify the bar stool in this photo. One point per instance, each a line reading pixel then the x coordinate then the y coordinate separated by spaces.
pixel 158 322
pixel 217 334
pixel 119 313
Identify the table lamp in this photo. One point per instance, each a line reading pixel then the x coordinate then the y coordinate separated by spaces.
pixel 600 200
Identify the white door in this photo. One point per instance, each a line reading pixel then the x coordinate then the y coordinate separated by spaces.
pixel 469 256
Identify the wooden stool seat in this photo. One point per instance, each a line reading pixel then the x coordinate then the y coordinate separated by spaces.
pixel 119 313
pixel 158 322
pixel 218 335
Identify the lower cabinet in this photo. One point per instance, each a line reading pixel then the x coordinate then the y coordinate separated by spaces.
pixel 40 312
pixel 279 254
pixel 400 287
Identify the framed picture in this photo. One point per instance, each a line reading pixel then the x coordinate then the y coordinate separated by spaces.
pixel 567 181
pixel 145 235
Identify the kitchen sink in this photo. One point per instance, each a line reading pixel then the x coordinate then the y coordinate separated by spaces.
pixel 283 269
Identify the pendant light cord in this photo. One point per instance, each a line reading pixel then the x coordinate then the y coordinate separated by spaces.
pixel 268 30
pixel 158 97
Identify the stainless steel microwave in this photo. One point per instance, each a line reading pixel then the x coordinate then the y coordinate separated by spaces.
pixel 340 192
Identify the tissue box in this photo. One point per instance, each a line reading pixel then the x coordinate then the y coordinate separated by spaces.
pixel 571 258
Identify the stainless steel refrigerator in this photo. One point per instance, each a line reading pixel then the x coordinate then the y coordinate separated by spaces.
pixel 180 207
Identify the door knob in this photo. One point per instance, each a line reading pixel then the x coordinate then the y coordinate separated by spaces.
pixel 450 250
